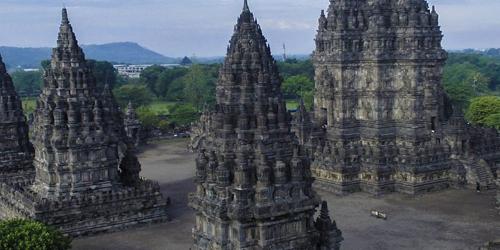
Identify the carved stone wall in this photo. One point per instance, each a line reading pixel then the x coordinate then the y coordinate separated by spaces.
pixel 16 152
pixel 498 190
pixel 254 185
pixel 87 175
pixel 379 97
pixel 133 126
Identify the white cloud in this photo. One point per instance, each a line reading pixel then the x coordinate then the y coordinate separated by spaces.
pixel 184 27
pixel 285 24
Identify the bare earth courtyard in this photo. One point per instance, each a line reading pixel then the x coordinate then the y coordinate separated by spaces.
pixel 453 219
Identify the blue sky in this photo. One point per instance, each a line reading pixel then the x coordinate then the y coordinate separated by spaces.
pixel 203 27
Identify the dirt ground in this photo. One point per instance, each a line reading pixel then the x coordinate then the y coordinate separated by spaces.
pixel 453 219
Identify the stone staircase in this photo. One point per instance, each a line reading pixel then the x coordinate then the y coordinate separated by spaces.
pixel 478 171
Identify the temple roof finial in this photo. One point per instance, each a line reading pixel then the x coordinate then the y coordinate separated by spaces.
pixel 65 19
pixel 130 106
pixel 245 6
pixel 325 213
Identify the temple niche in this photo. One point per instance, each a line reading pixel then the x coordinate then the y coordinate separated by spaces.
pixel 253 179
pixel 385 123
pixel 86 174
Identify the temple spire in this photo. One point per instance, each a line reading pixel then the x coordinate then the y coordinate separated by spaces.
pixel 75 119
pixel 16 151
pixel 330 235
pixel 302 105
pixel 3 68
pixel 245 6
pixel 67 50
pixel 325 213
pixel 249 132
pixel 5 80
pixel 65 19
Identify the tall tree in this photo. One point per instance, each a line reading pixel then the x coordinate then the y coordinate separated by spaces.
pixel 149 77
pixel 27 83
pixel 139 95
pixel 26 234
pixel 484 111
pixel 166 78
pixel 199 87
pixel 294 67
pixel 463 82
pixel 104 73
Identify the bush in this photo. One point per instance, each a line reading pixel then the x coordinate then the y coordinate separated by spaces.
pixel 484 111
pixel 26 234
pixel 164 125
pixel 29 105
pixel 147 117
pixel 183 115
pixel 299 86
pixel 294 67
pixel 462 82
pixel 27 83
pixel 139 95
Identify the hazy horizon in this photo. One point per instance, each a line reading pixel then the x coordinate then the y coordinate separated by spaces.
pixel 204 27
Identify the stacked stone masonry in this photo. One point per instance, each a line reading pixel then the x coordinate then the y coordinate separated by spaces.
pixel 133 126
pixel 498 191
pixel 382 121
pixel 254 185
pixel 16 152
pixel 86 174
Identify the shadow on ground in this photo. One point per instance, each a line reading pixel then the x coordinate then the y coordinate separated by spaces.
pixel 452 219
pixel 172 235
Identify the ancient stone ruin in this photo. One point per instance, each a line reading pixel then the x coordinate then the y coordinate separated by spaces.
pixel 253 180
pixel 87 177
pixel 498 190
pixel 382 121
pixel 16 152
pixel 133 126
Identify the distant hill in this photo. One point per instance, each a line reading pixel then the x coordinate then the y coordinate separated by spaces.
pixel 24 57
pixel 124 52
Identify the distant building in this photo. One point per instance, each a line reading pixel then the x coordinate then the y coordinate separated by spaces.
pixel 134 71
pixel 31 70
pixel 186 61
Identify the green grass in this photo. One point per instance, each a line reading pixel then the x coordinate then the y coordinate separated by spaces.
pixel 29 105
pixel 292 104
pixel 160 107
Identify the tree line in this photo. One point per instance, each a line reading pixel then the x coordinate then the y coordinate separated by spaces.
pixel 471 81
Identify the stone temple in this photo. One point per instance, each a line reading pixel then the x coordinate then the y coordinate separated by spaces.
pixel 16 152
pixel 254 185
pixel 133 126
pixel 498 192
pixel 87 177
pixel 382 121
